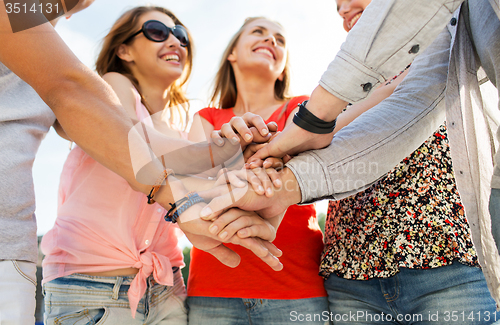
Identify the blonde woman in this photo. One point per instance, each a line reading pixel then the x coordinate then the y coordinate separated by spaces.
pixel 253 77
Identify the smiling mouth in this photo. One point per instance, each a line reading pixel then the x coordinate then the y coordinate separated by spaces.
pixel 170 58
pixel 354 20
pixel 265 51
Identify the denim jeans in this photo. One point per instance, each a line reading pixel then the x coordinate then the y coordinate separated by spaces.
pixel 84 299
pixel 17 292
pixel 238 311
pixel 453 294
pixel 495 215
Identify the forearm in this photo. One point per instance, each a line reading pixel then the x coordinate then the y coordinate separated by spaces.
pixel 374 143
pixel 93 118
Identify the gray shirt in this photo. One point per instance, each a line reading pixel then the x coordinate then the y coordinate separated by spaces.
pixel 443 82
pixel 24 121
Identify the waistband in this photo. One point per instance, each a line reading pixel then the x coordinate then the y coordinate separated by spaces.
pixel 125 280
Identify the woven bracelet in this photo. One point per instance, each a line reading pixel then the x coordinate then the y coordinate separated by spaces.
pixel 182 205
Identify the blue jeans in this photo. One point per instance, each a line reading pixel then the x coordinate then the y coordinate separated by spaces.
pixel 84 299
pixel 453 294
pixel 238 311
pixel 495 215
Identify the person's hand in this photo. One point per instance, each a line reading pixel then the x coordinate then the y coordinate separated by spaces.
pixel 245 224
pixel 245 129
pixel 261 179
pixel 235 225
pixel 197 231
pixel 270 162
pixel 291 141
pixel 247 199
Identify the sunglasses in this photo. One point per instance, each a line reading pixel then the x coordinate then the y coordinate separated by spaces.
pixel 157 31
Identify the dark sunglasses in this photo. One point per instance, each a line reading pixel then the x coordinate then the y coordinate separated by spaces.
pixel 157 31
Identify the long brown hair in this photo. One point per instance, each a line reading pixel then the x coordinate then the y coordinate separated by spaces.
pixel 108 60
pixel 225 92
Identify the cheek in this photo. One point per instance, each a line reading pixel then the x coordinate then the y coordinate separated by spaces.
pixel 184 56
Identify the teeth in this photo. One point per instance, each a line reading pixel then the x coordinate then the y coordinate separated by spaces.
pixel 354 20
pixel 171 57
pixel 265 51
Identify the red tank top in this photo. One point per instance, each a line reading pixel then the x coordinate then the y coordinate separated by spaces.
pixel 299 237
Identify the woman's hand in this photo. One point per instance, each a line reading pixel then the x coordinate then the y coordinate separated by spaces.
pixel 245 224
pixel 197 231
pixel 245 129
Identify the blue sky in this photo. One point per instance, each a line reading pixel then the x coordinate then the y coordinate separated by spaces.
pixel 314 31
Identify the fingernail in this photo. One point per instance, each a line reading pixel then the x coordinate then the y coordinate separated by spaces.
pixel 265 131
pixel 235 140
pixel 223 235
pixel 213 229
pixel 269 191
pixel 277 183
pixel 219 142
pixel 206 211
pixel 260 189
pixel 248 137
pixel 242 232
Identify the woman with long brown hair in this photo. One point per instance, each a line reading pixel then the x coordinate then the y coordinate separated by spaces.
pixel 111 258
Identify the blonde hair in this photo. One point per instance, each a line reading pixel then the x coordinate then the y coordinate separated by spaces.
pixel 225 92
pixel 108 60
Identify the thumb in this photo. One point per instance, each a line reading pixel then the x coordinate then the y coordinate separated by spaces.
pixel 260 155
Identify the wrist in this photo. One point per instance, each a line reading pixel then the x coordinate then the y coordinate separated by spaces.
pixel 290 191
pixel 182 205
pixel 324 105
pixel 172 191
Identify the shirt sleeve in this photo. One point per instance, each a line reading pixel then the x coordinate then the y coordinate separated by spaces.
pixel 380 138
pixel 207 114
pixel 385 39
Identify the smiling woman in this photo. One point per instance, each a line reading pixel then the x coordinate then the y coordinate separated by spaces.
pixel 254 76
pixel 351 11
pixel 146 58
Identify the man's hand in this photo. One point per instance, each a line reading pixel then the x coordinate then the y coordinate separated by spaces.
pixel 247 199
pixel 245 129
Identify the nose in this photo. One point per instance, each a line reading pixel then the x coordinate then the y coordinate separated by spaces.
pixel 344 9
pixel 270 38
pixel 172 41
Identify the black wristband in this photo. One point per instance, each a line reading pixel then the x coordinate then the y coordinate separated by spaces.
pixel 309 122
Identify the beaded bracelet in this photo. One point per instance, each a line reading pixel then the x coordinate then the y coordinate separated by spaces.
pixel 182 205
pixel 158 184
pixel 309 122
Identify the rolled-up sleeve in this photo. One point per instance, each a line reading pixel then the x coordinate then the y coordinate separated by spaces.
pixel 385 39
pixel 380 138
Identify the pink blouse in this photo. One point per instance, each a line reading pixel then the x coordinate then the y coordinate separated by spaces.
pixel 104 225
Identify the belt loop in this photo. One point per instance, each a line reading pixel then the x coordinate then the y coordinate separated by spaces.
pixel 116 288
